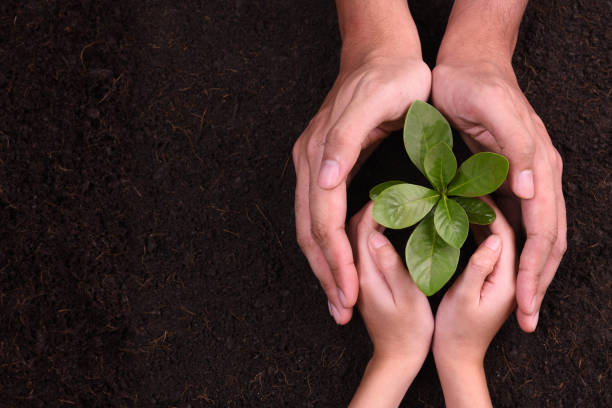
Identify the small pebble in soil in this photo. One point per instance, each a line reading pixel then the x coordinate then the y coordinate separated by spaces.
pixel 151 244
pixel 229 343
pixel 93 113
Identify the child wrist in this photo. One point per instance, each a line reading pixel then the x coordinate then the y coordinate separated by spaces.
pixel 400 369
pixel 458 361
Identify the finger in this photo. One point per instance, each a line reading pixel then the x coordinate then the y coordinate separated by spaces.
pixel 313 253
pixel 359 225
pixel 327 227
pixel 327 215
pixel 505 275
pixel 347 137
pixel 506 125
pixel 373 287
pixel 479 267
pixel 560 246
pixel 390 264
pixel 540 223
pixel 529 321
pixel 501 226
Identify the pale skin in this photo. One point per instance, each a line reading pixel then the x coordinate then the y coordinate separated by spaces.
pixel 402 328
pixel 473 84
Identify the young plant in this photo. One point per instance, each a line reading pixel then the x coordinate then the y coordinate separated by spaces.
pixel 432 251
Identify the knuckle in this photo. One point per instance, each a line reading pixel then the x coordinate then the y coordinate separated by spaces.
pixel 328 285
pixel 494 90
pixel 304 241
pixel 549 236
pixel 334 268
pixel 313 147
pixel 387 261
pixel 320 232
pixel 363 225
pixel 373 83
pixel 338 136
pixel 528 148
pixel 529 272
pixel 484 95
pixel 481 263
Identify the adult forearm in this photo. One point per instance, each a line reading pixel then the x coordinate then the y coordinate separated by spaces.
pixel 482 28
pixel 379 27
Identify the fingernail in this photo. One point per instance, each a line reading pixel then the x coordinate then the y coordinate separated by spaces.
pixel 333 311
pixel 493 242
pixel 534 301
pixel 534 319
pixel 524 184
pixel 342 297
pixel 328 175
pixel 377 240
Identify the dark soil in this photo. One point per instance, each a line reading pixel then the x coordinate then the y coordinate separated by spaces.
pixel 147 238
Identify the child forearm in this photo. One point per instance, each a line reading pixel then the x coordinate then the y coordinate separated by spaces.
pixel 384 383
pixel 464 384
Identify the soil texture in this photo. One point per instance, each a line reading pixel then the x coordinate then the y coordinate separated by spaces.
pixel 147 237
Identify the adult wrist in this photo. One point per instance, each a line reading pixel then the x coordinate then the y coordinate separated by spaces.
pixel 376 28
pixel 482 30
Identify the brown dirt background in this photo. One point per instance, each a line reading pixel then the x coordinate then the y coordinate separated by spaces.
pixel 147 250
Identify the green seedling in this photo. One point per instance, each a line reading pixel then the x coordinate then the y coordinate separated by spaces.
pixel 444 212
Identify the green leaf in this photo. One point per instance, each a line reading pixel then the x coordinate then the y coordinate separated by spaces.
pixel 451 222
pixel 479 175
pixel 440 165
pixel 379 188
pixel 424 128
pixel 403 205
pixel 430 260
pixel 478 212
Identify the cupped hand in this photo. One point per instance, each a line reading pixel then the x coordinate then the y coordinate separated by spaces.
pixel 368 100
pixel 483 101
pixel 480 300
pixel 396 313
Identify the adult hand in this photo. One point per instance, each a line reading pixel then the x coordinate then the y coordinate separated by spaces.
pixel 381 74
pixel 475 87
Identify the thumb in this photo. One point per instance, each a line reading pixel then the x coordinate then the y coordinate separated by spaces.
pixel 389 263
pixel 517 144
pixel 354 130
pixel 481 265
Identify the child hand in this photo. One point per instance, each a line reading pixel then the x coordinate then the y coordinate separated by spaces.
pixel 396 313
pixel 470 314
